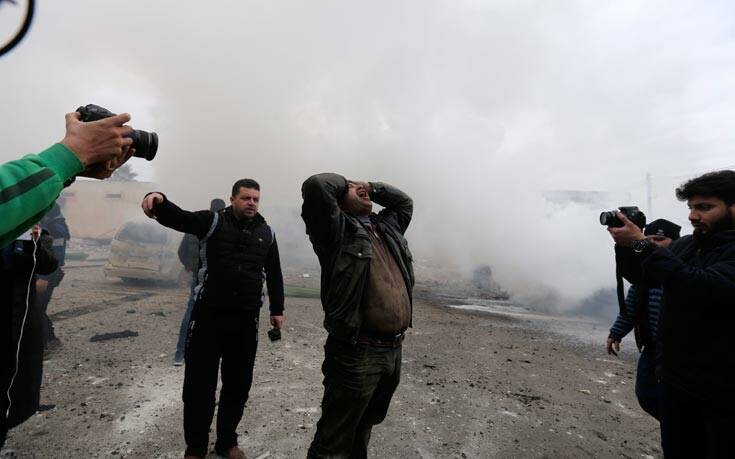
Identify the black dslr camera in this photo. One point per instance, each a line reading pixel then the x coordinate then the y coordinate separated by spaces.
pixel 274 334
pixel 145 143
pixel 633 214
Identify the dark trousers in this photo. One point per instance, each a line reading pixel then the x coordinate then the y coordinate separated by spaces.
pixel 690 429
pixel 43 300
pixel 184 327
pixel 647 388
pixel 359 381
pixel 233 338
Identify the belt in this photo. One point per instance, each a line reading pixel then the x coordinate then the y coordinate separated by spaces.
pixel 382 341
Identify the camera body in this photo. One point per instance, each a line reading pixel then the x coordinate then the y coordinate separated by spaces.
pixel 632 213
pixel 145 143
pixel 274 334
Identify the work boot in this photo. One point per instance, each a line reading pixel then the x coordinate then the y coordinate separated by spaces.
pixel 235 453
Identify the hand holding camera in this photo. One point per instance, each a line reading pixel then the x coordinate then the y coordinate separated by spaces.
pixel 628 234
pixel 102 142
pixel 625 225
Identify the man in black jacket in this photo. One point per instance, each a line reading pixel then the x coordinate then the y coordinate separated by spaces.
pixel 237 249
pixel 21 327
pixel 366 285
pixel 698 277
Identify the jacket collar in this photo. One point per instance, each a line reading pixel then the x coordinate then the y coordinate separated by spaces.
pixel 716 240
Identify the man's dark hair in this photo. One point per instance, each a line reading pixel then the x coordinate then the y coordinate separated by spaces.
pixel 719 184
pixel 244 183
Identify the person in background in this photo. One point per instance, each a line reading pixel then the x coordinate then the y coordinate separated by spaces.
pixel 643 308
pixel 21 327
pixel 238 252
pixel 55 223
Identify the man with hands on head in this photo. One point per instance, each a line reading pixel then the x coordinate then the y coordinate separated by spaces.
pixel 697 274
pixel 30 185
pixel 366 287
pixel 237 247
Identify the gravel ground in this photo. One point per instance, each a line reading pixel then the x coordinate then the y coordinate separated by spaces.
pixel 474 385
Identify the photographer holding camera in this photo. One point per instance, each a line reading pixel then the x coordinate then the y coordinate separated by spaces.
pixel 236 247
pixel 697 274
pixel 641 314
pixel 29 186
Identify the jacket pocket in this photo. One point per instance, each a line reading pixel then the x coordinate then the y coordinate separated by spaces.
pixel 348 281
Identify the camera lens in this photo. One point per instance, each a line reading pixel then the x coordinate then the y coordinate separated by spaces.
pixel 611 219
pixel 145 144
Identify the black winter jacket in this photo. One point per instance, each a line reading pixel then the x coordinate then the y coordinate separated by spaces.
pixel 235 257
pixel 19 319
pixel 697 314
pixel 343 246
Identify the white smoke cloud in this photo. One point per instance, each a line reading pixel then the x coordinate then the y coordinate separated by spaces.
pixel 473 107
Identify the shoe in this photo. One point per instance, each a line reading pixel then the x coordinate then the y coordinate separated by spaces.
pixel 192 457
pixel 234 453
pixel 178 360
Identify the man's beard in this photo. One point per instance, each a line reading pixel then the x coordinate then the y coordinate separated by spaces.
pixel 723 224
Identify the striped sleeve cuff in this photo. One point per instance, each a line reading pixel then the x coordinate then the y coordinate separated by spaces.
pixel 62 161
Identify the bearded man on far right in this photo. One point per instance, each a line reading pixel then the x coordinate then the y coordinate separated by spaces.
pixel 697 273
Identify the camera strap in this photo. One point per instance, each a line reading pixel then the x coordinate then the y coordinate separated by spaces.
pixel 621 291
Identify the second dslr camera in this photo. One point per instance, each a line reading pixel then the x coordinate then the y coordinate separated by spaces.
pixel 144 142
pixel 632 213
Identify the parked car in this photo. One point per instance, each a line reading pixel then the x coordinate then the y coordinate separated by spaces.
pixel 143 250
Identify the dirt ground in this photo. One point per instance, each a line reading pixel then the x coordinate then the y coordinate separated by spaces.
pixel 473 385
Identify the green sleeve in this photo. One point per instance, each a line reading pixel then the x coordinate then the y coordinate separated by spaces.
pixel 29 187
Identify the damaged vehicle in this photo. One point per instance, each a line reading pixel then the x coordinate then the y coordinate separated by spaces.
pixel 143 251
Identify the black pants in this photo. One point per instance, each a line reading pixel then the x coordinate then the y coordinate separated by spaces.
pixel 43 300
pixel 359 381
pixel 232 337
pixel 647 388
pixel 690 429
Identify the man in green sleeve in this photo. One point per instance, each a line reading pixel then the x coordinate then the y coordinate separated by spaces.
pixel 29 186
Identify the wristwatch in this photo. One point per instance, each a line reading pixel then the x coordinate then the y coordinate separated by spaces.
pixel 644 245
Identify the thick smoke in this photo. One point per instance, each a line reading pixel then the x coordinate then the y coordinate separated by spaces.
pixel 477 109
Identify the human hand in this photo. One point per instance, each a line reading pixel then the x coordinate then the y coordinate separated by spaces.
pixel 36 232
pixel 149 204
pixel 626 235
pixel 41 286
pixel 98 141
pixel 104 170
pixel 613 346
pixel 277 322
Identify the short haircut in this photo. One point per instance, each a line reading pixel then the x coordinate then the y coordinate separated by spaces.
pixel 244 183
pixel 719 184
